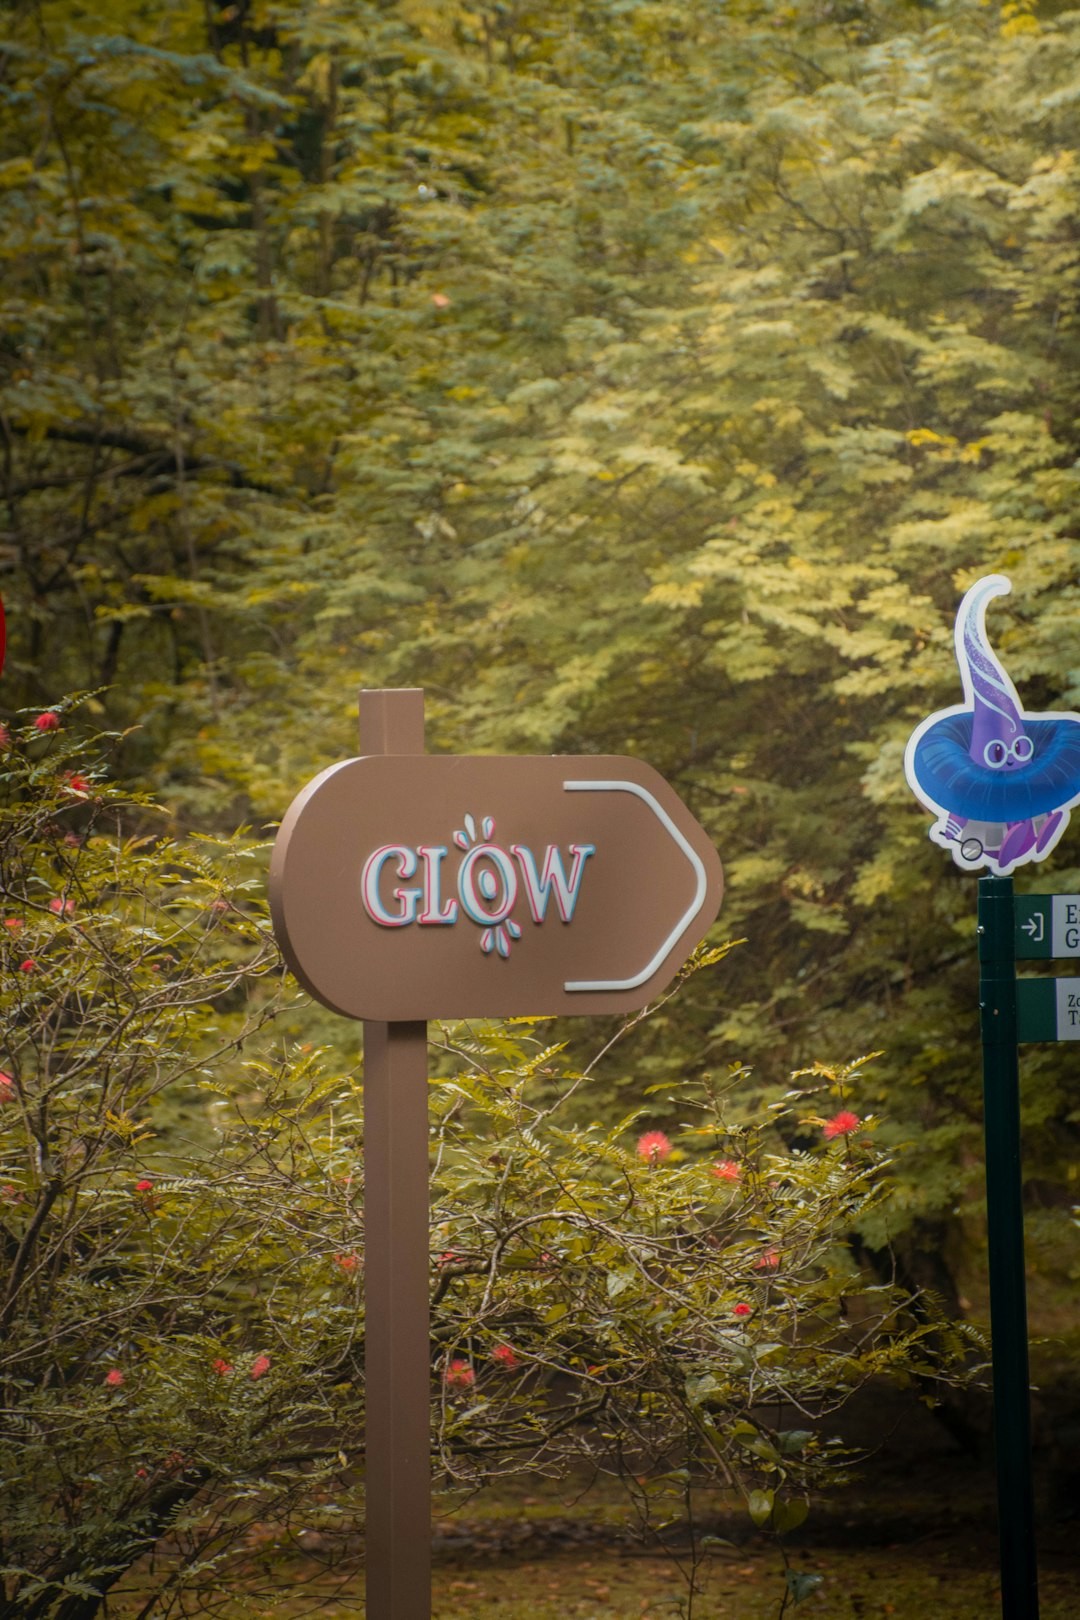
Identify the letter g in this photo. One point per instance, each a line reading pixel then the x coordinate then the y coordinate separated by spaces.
pixel 408 899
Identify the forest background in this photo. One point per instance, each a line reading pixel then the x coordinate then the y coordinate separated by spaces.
pixel 634 377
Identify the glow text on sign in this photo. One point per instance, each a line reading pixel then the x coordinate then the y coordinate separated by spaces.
pixel 485 888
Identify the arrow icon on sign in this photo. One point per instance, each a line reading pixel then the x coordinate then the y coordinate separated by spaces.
pixel 1034 927
pixel 700 882
pixel 409 887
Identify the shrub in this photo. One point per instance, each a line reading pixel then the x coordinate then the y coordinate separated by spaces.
pixel 182 1231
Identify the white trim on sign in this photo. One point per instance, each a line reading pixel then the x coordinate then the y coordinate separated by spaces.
pixel 688 916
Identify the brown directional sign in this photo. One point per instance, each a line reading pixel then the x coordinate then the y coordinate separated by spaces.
pixel 409 887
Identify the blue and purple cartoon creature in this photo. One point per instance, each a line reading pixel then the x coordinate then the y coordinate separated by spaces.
pixel 1000 782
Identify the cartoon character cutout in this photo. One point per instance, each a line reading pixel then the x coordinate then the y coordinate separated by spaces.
pixel 1001 782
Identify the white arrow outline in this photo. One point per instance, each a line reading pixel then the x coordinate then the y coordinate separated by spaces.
pixel 688 916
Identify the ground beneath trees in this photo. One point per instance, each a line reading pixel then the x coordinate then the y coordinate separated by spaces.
pixel 913 1538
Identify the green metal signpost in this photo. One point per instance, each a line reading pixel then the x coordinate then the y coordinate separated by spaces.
pixel 1005 1235
pixel 1028 927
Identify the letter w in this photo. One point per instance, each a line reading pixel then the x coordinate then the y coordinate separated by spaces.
pixel 538 885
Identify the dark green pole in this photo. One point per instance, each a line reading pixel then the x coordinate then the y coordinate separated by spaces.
pixel 1005 1231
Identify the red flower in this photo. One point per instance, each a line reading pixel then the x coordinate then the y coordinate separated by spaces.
pixel 7 1087
pixel 741 1310
pixel 459 1375
pixel 222 1367
pixel 654 1147
pixel 347 1262
pixel 14 923
pixel 76 783
pixel 841 1124
pixel 504 1355
pixel 260 1365
pixel 62 908
pixel 768 1261
pixel 448 1257
pixel 29 966
pixel 144 1192
pixel 726 1170
pixel 219 906
pixel 114 1378
pixel 49 721
pixel 141 1473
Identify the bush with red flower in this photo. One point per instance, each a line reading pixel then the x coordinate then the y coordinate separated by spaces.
pixel 116 1080
pixel 641 1296
pixel 650 1276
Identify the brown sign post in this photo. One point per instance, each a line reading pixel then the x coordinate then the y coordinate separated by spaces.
pixel 405 887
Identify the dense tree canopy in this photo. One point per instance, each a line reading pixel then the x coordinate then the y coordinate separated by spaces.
pixel 636 377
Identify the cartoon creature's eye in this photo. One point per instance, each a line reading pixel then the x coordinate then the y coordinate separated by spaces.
pixel 1022 750
pixel 995 754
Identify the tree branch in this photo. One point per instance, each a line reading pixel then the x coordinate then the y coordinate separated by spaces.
pixel 159 457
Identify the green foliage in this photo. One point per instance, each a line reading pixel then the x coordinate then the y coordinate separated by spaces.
pixel 653 1309
pixel 801 1583
pixel 162 1366
pixel 183 1237
pixel 641 378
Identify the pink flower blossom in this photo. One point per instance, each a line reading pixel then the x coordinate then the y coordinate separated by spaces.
pixel 76 783
pixel 5 736
pixel 504 1355
pixel 440 300
pixel 29 966
pixel 741 1309
pixel 7 1088
pixel 347 1262
pixel 260 1365
pixel 14 923
pixel 653 1147
pixel 768 1261
pixel 49 721
pixel 221 1367
pixel 459 1375
pixel 62 908
pixel 114 1378
pixel 144 1186
pixel 726 1170
pixel 841 1124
